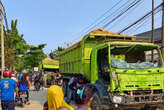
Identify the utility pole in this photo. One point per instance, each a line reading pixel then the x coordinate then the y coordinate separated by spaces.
pixel 162 39
pixel 2 42
pixel 152 36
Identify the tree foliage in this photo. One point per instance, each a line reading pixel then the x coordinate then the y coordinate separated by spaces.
pixel 54 54
pixel 18 54
pixel 34 56
pixel 15 46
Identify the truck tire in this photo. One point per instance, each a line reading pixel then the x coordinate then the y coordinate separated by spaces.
pixel 96 103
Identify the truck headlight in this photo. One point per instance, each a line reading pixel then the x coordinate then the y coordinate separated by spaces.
pixel 117 99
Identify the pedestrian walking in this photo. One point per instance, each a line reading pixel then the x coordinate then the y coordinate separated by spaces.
pixel 8 86
pixel 28 80
pixel 30 75
pixel 37 81
pixel 42 82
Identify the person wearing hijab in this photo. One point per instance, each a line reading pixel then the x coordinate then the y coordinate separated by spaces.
pixel 55 98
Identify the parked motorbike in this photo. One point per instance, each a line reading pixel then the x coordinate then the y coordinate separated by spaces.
pixel 21 99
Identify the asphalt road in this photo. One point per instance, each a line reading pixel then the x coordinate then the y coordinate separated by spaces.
pixel 38 98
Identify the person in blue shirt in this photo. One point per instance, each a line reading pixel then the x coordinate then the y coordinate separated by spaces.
pixel 24 87
pixel 8 87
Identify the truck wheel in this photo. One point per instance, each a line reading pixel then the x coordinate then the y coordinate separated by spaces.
pixel 96 103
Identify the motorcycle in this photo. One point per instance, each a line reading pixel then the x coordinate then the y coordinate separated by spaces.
pixel 21 99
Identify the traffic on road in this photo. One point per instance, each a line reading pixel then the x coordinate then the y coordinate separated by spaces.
pixel 114 65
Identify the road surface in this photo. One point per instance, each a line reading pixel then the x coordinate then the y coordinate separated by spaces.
pixel 37 99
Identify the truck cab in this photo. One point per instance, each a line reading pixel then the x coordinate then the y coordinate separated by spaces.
pixel 128 73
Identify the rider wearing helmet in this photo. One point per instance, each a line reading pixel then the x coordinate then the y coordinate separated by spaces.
pixel 7 87
pixel 7 73
pixel 23 86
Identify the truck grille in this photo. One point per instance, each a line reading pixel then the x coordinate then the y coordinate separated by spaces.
pixel 143 92
pixel 144 97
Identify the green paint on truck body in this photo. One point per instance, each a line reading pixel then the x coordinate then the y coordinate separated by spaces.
pixel 76 59
pixel 84 58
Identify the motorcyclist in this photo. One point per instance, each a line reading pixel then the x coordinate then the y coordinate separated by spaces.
pixel 7 87
pixel 20 76
pixel 37 79
pixel 23 86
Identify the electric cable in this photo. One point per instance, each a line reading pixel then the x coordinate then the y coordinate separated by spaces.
pixel 148 15
pixel 112 14
pixel 143 17
pixel 123 17
pixel 106 25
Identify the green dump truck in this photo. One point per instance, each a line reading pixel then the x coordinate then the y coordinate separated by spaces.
pixel 123 70
pixel 49 66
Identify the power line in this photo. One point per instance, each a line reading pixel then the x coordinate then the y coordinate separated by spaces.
pixel 125 7
pixel 99 18
pixel 132 5
pixel 109 16
pixel 142 18
pixel 134 29
pixel 138 26
pixel 124 16
pixel 103 15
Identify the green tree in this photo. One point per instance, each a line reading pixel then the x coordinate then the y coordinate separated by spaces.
pixel 54 54
pixel 15 46
pixel 34 56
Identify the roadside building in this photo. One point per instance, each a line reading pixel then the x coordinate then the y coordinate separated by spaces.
pixel 147 35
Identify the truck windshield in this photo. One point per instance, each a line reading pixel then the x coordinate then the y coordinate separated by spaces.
pixel 135 57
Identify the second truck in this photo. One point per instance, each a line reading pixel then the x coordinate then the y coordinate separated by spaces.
pixel 123 70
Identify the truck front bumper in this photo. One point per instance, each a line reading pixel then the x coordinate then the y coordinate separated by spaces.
pixel 138 101
pixel 143 99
